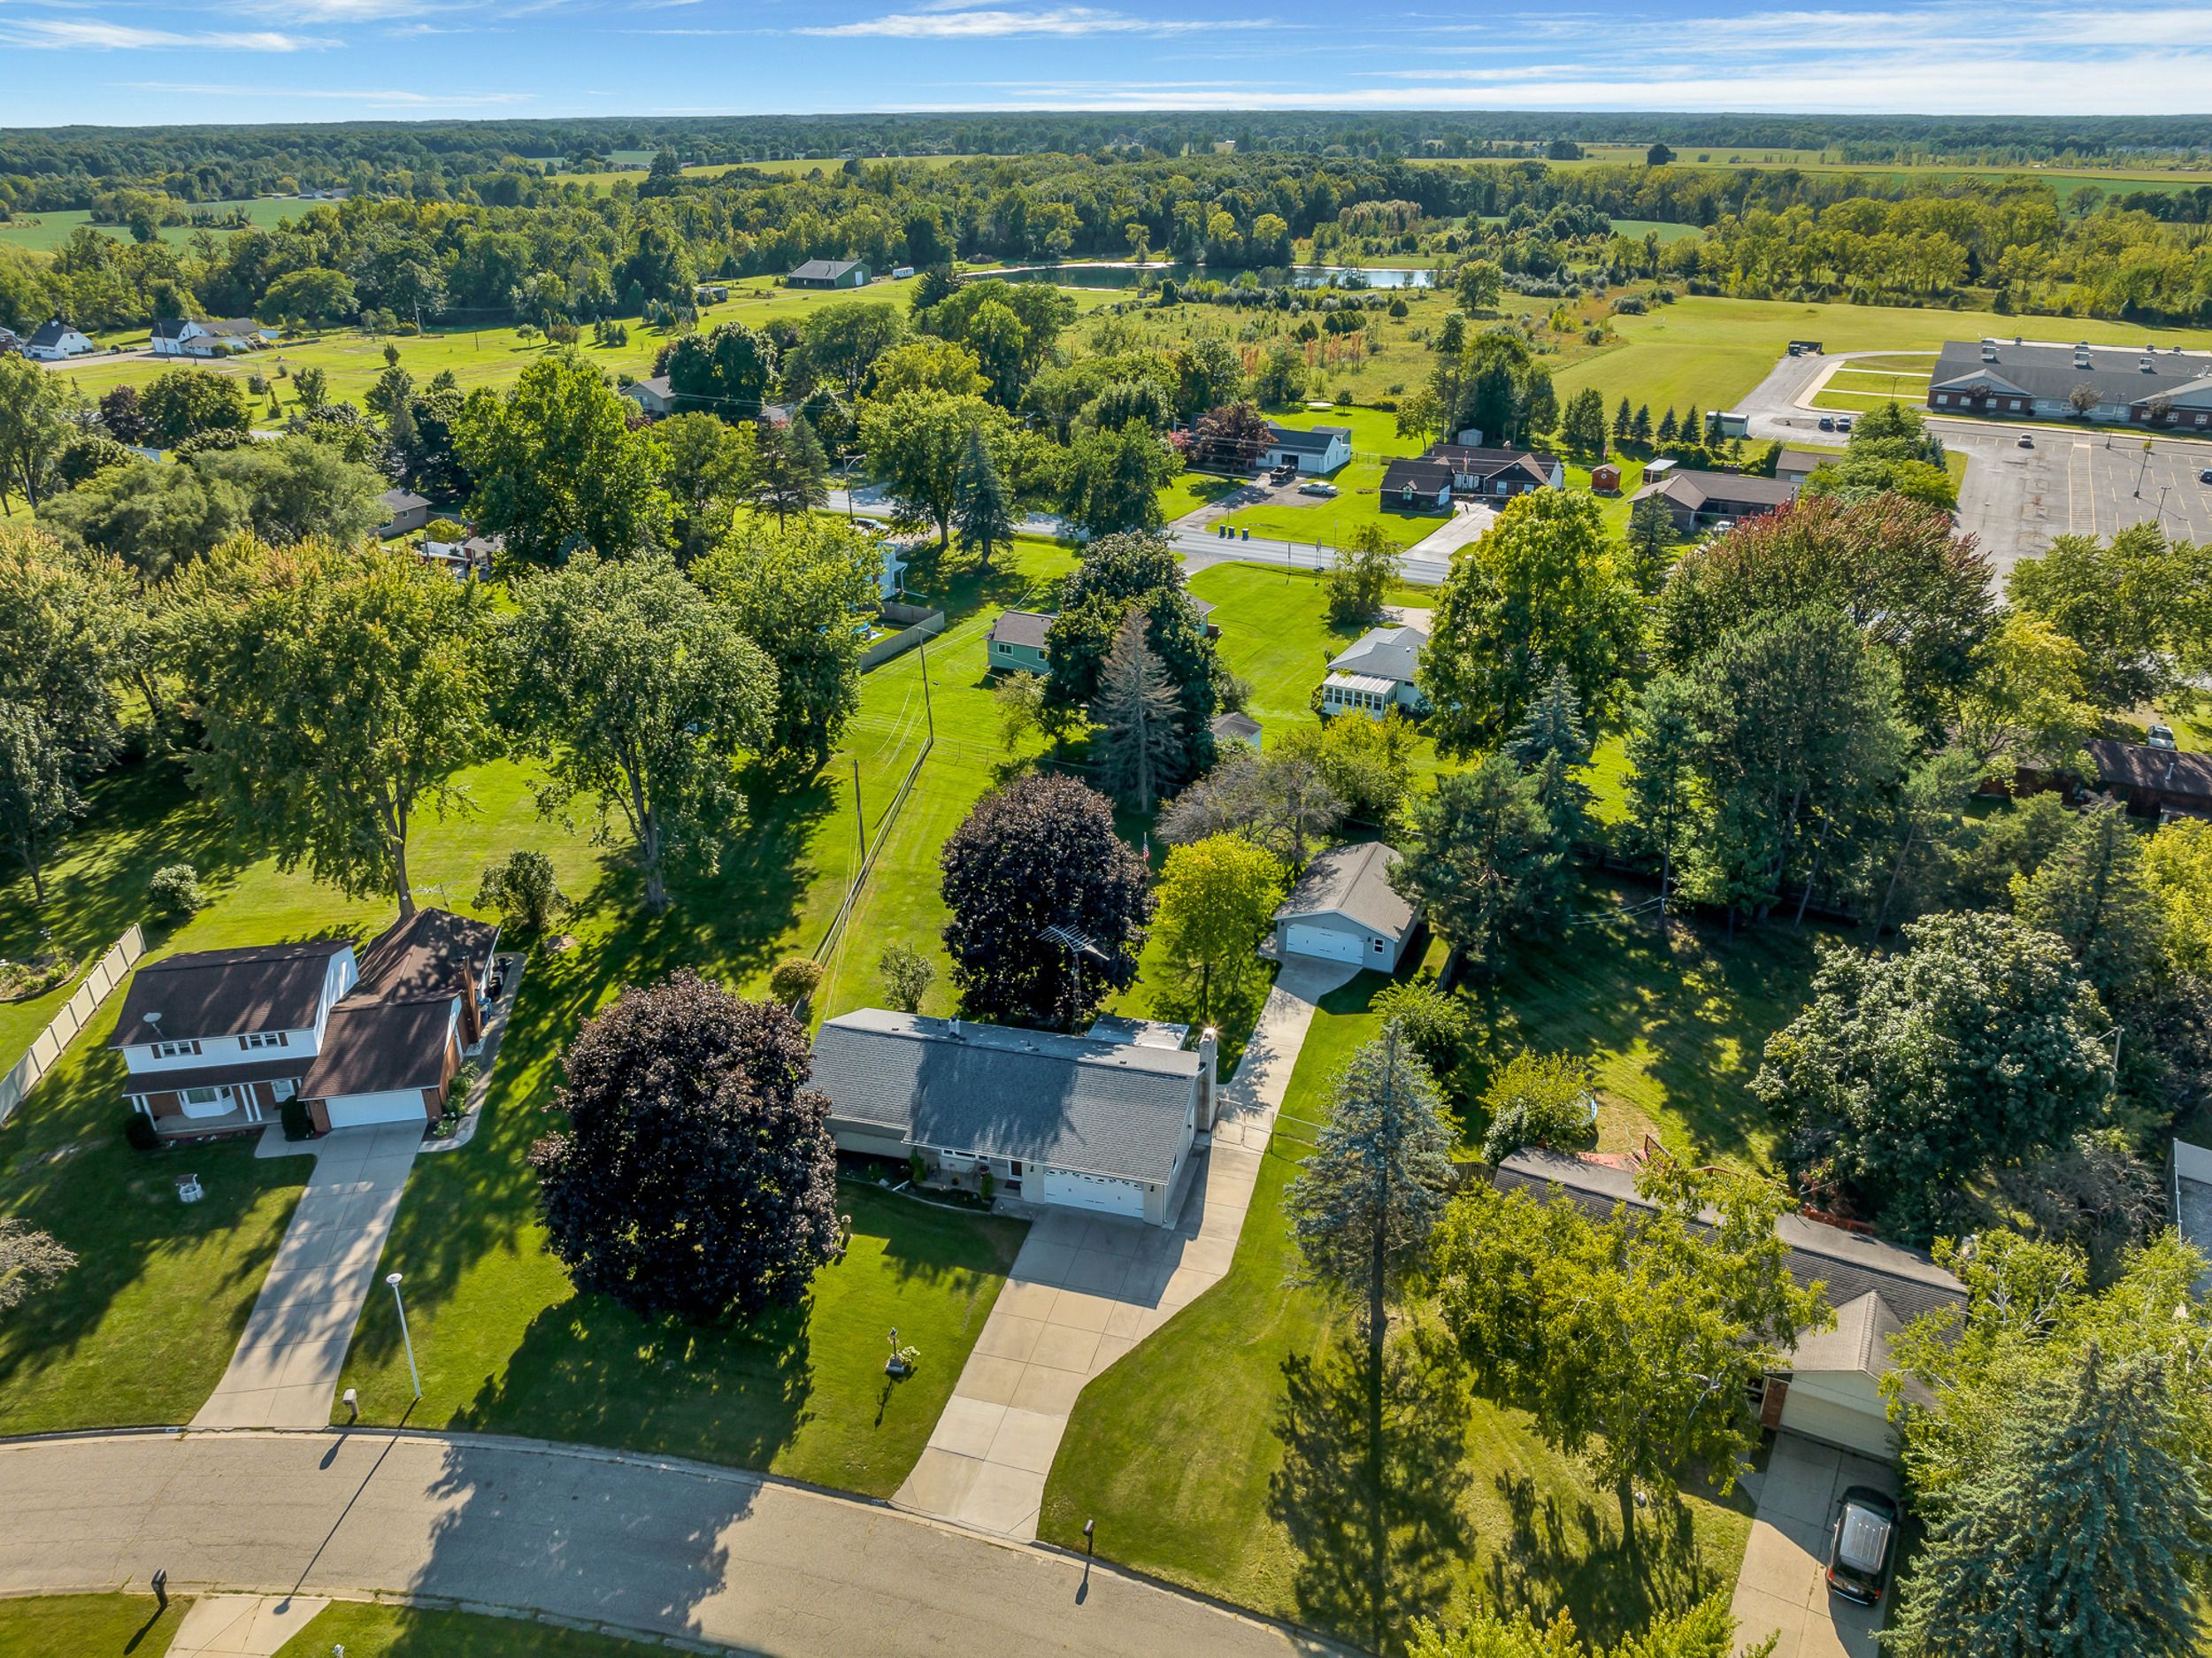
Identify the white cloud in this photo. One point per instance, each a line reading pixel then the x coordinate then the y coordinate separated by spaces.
pixel 92 34
pixel 392 97
pixel 957 22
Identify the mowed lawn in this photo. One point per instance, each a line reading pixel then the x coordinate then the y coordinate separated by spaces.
pixel 44 232
pixel 369 1630
pixel 91 1626
pixel 1191 1459
pixel 1710 351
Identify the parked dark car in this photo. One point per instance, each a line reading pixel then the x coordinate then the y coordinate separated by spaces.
pixel 1862 1544
pixel 2205 477
pixel 1827 422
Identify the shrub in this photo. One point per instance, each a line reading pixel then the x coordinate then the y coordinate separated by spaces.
pixel 907 975
pixel 445 529
pixel 175 892
pixel 521 888
pixel 139 1130
pixel 297 1124
pixel 1536 1099
pixel 1435 1021
pixel 795 979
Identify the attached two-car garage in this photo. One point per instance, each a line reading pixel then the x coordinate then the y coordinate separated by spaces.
pixel 1302 937
pixel 1097 1191
pixel 362 1110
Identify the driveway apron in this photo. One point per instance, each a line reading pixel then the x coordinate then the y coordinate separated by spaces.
pixel 286 1369
pixel 1086 1288
pixel 1782 1588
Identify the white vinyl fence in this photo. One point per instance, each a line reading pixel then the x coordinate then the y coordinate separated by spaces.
pixel 48 1045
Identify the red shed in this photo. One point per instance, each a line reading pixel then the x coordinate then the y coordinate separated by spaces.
pixel 1605 479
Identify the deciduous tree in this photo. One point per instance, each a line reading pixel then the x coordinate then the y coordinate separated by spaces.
pixel 684 1076
pixel 1538 593
pixel 1217 897
pixel 641 692
pixel 1910 1077
pixel 1041 852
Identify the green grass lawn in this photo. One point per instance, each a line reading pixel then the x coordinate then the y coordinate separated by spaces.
pixel 1331 521
pixel 1898 383
pixel 1711 351
pixel 44 232
pixel 1187 1457
pixel 90 1626
pixel 352 359
pixel 368 1629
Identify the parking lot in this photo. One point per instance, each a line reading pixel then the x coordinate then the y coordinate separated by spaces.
pixel 2015 501
pixel 2085 480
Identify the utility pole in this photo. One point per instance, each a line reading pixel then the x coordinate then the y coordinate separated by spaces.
pixel 928 713
pixel 859 811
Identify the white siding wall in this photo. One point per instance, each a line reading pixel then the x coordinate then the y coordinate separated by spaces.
pixel 1839 1408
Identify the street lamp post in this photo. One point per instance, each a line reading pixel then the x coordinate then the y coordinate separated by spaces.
pixel 413 1374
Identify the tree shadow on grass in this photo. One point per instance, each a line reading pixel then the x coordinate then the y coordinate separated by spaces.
pixel 1702 1003
pixel 1324 1493
pixel 589 1369
pixel 1567 1556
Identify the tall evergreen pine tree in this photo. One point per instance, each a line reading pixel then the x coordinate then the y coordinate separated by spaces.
pixel 2078 1540
pixel 980 510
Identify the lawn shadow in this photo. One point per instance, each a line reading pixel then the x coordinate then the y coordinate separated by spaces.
pixel 1324 1495
pixel 589 1371
pixel 1567 1556
pixel 1680 1016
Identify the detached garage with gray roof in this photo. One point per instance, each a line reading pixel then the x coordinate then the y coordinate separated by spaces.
pixel 1344 908
pixel 1073 1121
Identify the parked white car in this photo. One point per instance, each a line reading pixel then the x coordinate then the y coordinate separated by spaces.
pixel 1316 488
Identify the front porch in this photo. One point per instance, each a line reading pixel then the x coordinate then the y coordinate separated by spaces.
pixel 239 1119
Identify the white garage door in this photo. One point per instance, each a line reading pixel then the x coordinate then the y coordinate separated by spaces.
pixel 1325 942
pixel 1866 1432
pixel 357 1110
pixel 1092 1191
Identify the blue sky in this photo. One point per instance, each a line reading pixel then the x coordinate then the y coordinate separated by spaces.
pixel 135 61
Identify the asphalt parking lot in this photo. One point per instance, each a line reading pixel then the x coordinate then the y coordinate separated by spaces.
pixel 2017 501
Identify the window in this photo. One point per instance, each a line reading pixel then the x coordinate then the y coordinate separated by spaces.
pixel 283 1088
pixel 201 1096
pixel 267 1039
pixel 1943 397
pixel 175 1050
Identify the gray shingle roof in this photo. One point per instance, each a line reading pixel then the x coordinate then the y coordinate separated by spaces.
pixel 1028 628
pixel 1109 1108
pixel 1312 441
pixel 2048 373
pixel 1423 476
pixel 1390 653
pixel 1352 881
pixel 1716 491
pixel 821 269
pixel 1850 1264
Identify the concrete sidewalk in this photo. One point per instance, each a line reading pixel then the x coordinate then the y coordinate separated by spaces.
pixel 644 1544
pixel 243 1625
pixel 1086 1288
pixel 1782 1588
pixel 286 1369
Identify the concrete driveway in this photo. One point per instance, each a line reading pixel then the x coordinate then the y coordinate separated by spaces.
pixel 286 1369
pixel 1086 1288
pixel 1783 1585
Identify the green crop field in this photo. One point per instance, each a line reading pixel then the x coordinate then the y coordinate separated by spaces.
pixel 42 233
pixel 2064 179
pixel 1665 229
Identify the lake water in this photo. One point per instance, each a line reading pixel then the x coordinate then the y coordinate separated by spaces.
pixel 1115 275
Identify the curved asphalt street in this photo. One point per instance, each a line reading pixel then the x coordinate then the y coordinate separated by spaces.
pixel 636 1543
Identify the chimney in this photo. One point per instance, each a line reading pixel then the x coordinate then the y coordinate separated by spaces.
pixel 1208 1076
pixel 952 1028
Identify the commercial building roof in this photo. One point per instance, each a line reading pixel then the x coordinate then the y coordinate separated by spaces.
pixel 2049 372
pixel 1101 1108
pixel 1351 881
pixel 226 993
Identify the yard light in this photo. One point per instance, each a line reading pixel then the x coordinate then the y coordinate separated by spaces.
pixel 413 1374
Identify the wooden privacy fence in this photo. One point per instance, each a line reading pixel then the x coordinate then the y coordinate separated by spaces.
pixel 76 1013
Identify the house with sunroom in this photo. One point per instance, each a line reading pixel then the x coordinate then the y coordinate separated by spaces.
pixel 1374 674
pixel 217 1041
pixel 1106 1123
